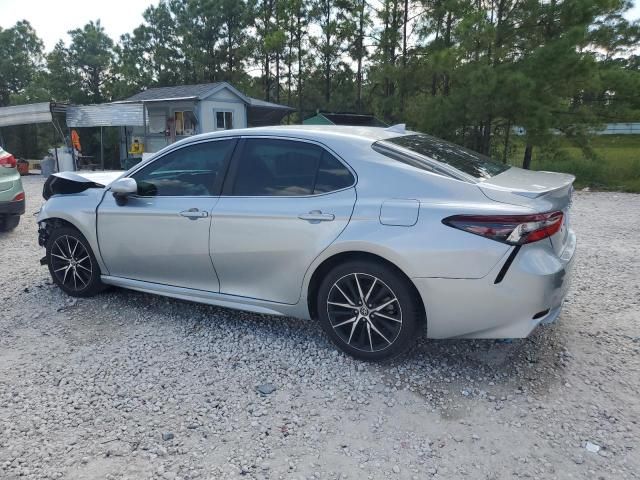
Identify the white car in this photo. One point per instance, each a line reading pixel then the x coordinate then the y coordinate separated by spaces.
pixel 378 234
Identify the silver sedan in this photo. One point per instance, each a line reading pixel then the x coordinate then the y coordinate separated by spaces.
pixel 378 234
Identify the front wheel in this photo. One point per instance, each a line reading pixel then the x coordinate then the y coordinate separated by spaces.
pixel 72 264
pixel 369 310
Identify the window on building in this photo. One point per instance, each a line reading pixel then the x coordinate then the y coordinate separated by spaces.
pixel 157 122
pixel 224 120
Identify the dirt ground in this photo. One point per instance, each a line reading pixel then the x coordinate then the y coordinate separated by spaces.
pixel 127 385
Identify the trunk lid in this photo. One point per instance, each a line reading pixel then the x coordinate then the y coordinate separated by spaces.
pixel 540 191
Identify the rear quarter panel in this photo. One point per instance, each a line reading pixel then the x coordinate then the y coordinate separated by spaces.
pixel 427 248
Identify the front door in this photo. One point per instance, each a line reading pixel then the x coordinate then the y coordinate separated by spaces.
pixel 161 235
pixel 284 202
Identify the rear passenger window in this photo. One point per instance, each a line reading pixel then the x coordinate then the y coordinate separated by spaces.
pixel 272 167
pixel 332 175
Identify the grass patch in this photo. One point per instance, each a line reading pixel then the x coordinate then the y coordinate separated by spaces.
pixel 615 163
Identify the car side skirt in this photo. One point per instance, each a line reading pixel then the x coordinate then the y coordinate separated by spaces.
pixel 210 298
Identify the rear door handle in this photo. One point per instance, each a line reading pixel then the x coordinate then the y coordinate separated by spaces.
pixel 194 213
pixel 317 216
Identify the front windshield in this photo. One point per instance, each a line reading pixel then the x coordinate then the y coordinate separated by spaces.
pixel 467 161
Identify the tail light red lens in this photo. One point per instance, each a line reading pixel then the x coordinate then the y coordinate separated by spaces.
pixel 19 197
pixel 510 229
pixel 8 161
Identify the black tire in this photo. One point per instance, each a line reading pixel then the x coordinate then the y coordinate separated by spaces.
pixel 379 332
pixel 9 222
pixel 80 276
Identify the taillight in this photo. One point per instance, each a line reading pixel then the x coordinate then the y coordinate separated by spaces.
pixel 510 229
pixel 8 161
pixel 19 197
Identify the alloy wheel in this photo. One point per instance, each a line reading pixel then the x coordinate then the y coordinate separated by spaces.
pixel 71 263
pixel 364 312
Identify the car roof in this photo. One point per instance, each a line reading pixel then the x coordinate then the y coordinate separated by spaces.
pixel 314 132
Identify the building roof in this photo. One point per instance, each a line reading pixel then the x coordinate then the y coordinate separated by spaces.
pixel 174 93
pixel 257 103
pixel 197 92
pixel 337 118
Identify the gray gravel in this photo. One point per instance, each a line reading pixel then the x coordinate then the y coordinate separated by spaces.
pixel 127 385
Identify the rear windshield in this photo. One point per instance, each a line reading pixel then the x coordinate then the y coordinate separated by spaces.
pixel 467 161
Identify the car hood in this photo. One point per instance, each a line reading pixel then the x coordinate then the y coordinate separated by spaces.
pixel 69 183
pixel 103 178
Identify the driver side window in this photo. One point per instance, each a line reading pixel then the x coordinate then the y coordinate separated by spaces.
pixel 192 171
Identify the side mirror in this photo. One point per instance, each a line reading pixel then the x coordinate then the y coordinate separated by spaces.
pixel 122 188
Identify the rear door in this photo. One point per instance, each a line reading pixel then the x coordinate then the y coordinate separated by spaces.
pixel 283 203
pixel 161 235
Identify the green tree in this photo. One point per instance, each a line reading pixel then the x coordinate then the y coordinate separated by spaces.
pixel 20 59
pixel 331 43
pixel 62 79
pixel 91 54
pixel 150 55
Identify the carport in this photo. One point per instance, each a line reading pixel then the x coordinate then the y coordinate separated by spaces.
pixel 107 115
pixel 74 116
pixel 34 113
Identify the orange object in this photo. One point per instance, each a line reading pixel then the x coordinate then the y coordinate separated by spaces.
pixel 23 167
pixel 75 140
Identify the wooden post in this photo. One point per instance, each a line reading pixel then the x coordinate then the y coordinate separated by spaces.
pixel 74 159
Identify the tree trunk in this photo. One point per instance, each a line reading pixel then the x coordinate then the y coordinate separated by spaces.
pixel 289 62
pixel 299 38
pixel 404 32
pixel 403 82
pixel 360 47
pixel 277 77
pixel 447 42
pixel 486 136
pixel 267 79
pixel 327 71
pixel 230 53
pixel 526 162
pixel 507 133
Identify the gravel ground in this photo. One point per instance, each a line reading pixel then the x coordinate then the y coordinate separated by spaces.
pixel 127 385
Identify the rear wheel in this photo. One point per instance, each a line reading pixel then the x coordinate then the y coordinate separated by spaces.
pixel 9 222
pixel 369 310
pixel 72 263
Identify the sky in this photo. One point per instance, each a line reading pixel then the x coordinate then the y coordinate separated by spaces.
pixel 52 19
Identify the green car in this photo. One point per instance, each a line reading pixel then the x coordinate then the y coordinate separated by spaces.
pixel 11 192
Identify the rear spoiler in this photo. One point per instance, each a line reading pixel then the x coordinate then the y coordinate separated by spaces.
pixel 541 191
pixel 65 183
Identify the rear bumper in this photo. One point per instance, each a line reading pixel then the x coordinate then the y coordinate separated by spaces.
pixel 531 292
pixel 12 208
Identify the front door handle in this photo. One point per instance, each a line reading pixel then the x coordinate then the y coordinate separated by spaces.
pixel 194 213
pixel 317 216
